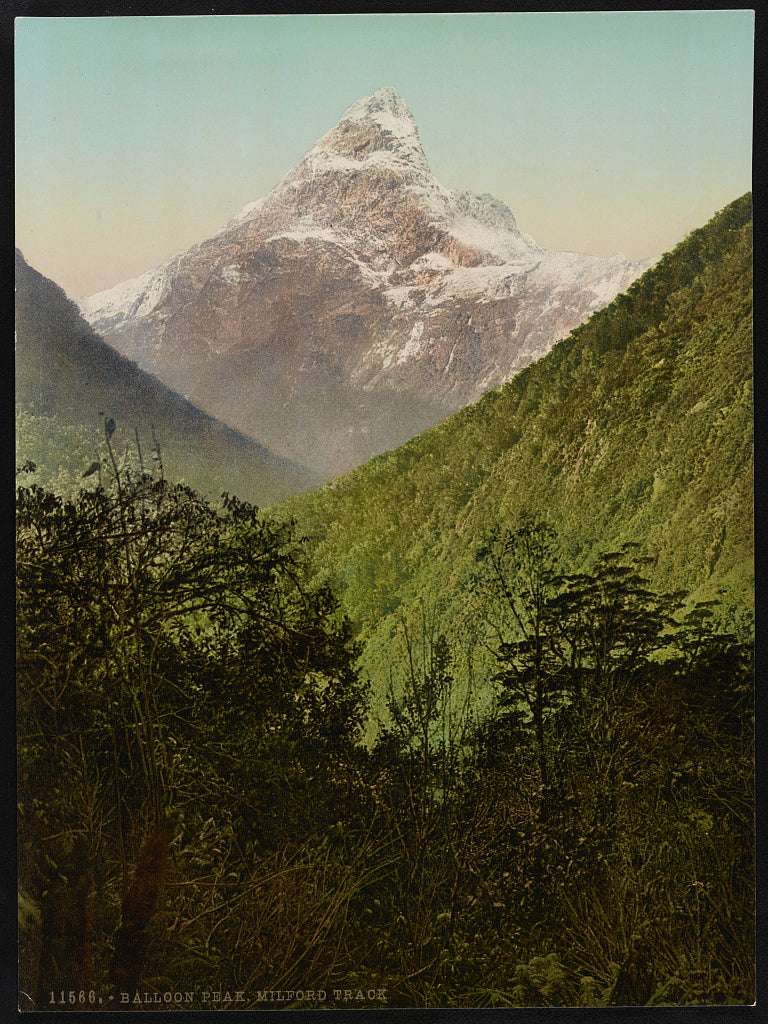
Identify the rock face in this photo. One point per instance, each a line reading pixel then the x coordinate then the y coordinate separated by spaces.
pixel 357 304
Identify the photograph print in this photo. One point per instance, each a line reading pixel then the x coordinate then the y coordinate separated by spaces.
pixel 384 511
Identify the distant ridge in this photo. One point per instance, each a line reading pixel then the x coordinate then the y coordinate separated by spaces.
pixel 68 379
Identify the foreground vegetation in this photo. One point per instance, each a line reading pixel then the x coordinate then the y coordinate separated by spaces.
pixel 199 813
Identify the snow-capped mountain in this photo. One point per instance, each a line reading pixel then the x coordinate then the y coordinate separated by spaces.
pixel 358 303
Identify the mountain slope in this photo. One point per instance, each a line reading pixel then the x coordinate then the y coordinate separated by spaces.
pixel 637 427
pixel 357 304
pixel 68 379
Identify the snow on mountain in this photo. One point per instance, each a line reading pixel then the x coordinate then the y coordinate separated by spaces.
pixel 136 297
pixel 356 304
pixel 376 132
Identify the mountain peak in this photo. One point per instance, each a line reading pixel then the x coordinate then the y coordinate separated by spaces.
pixel 387 109
pixel 377 132
pixel 360 294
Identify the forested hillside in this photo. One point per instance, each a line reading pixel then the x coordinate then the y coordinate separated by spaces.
pixel 636 428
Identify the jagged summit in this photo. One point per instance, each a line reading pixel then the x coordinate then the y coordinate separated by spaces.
pixel 368 179
pixel 375 140
pixel 385 107
pixel 377 133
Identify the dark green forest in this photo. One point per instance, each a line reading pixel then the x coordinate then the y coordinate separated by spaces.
pixel 472 726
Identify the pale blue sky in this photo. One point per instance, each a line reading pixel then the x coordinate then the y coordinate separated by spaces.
pixel 604 132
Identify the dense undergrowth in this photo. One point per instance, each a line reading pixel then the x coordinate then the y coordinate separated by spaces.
pixel 198 811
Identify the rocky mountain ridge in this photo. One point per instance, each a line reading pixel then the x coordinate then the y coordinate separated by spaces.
pixel 358 303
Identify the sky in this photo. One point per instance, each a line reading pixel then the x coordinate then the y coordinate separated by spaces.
pixel 604 132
